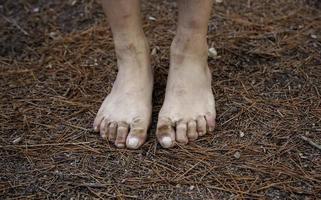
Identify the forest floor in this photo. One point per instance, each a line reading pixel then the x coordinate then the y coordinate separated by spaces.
pixel 57 63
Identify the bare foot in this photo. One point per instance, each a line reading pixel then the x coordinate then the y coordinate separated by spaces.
pixel 125 114
pixel 189 108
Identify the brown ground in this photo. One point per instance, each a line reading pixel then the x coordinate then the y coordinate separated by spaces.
pixel 57 64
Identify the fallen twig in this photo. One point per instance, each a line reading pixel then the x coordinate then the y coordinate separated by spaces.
pixel 43 145
pixel 311 142
pixel 15 24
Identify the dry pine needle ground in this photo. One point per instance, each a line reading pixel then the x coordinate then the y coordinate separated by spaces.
pixel 57 64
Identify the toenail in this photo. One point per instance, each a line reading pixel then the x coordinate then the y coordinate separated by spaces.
pixel 201 133
pixel 103 136
pixel 133 142
pixel 167 141
pixel 120 145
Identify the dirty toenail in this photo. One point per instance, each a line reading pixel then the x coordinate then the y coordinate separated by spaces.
pixel 167 141
pixel 120 145
pixel 133 142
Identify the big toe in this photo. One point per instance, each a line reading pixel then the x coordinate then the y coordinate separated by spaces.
pixel 137 135
pixel 165 133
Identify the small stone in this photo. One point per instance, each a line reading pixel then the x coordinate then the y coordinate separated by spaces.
pixel 35 10
pixel 49 66
pixel 242 134
pixel 313 36
pixel 73 2
pixel 151 18
pixel 154 51
pixel 302 156
pixel 17 140
pixel 53 35
pixel 237 155
pixel 191 187
pixel 212 52
pixel 219 1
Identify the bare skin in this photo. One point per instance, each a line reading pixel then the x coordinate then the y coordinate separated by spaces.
pixel 125 114
pixel 189 108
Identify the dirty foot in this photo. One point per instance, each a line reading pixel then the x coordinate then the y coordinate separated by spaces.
pixel 125 114
pixel 189 108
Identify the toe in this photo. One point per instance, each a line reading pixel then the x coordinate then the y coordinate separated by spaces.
pixel 122 132
pixel 103 128
pixel 201 125
pixel 210 120
pixel 137 135
pixel 112 130
pixel 181 129
pixel 191 130
pixel 97 123
pixel 136 138
pixel 165 133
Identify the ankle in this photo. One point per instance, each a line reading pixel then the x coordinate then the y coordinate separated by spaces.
pixel 132 52
pixel 130 42
pixel 189 44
